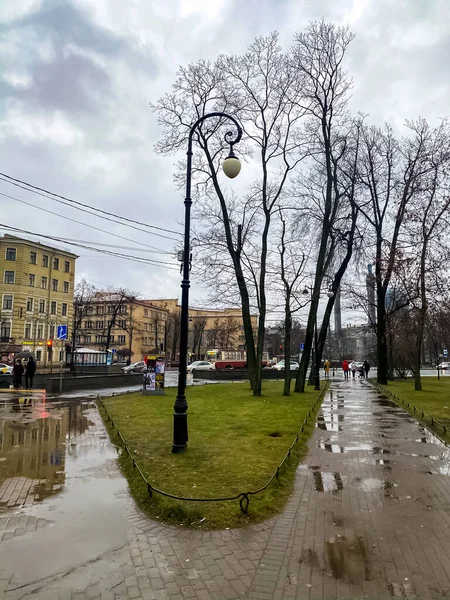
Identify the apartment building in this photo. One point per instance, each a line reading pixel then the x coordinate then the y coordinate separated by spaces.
pixel 36 291
pixel 134 327
pixel 209 329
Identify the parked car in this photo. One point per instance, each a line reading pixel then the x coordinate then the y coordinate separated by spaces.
pixel 443 366
pixel 5 369
pixel 137 367
pixel 359 364
pixel 200 365
pixel 280 366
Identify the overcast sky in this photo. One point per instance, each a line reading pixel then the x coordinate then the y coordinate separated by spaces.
pixel 77 78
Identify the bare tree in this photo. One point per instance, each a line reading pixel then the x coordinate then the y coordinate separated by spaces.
pixel 318 55
pixel 260 88
pixel 292 266
pixel 393 173
pixel 84 294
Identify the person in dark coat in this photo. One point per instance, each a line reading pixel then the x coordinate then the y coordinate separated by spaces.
pixel 30 370
pixel 366 368
pixel 17 374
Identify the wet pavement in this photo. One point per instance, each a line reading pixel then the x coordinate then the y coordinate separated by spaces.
pixel 368 518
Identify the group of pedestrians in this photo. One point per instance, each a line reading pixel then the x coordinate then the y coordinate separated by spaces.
pixel 19 370
pixel 353 368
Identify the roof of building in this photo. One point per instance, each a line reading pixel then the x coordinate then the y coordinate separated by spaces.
pixel 17 240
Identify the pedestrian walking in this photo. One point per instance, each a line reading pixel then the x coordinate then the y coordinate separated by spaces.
pixel 326 368
pixel 345 368
pixel 17 374
pixel 366 367
pixel 30 370
pixel 353 368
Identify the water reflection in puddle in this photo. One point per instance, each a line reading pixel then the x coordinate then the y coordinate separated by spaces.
pixel 348 559
pixel 326 482
pixel 35 439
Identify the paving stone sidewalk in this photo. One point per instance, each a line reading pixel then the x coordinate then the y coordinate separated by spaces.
pixel 368 518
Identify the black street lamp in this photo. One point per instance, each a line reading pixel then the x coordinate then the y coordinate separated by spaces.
pixel 231 167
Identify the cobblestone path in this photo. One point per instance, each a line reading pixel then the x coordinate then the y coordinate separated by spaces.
pixel 368 518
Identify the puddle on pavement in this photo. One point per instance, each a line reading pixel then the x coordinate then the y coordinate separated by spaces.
pixel 326 482
pixel 35 441
pixel 328 423
pixel 348 559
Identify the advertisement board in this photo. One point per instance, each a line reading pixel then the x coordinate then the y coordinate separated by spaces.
pixel 154 377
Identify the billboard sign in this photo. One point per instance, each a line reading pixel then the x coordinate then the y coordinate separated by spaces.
pixel 154 377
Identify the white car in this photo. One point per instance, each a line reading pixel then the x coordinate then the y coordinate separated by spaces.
pixel 443 366
pixel 280 366
pixel 200 365
pixel 5 369
pixel 137 367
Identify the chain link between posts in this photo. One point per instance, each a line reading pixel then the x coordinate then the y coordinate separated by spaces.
pixel 435 424
pixel 243 497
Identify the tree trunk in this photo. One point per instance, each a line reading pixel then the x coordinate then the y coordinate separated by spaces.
pixel 287 351
pixel 382 350
pixel 301 375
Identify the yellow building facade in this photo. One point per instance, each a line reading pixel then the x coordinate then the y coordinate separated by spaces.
pixel 36 293
pixel 138 328
pixel 208 328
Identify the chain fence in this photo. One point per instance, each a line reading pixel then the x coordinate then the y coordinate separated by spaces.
pixel 242 497
pixel 426 419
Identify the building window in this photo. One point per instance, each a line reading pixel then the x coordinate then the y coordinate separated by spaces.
pixel 33 257
pixel 122 309
pixel 54 285
pixel 56 264
pixel 40 332
pixel 5 330
pixel 52 330
pixel 10 254
pixel 53 308
pixel 145 312
pixel 99 339
pixel 42 306
pixel 66 266
pixel 7 302
pixel 45 260
pixel 39 355
pixel 99 310
pixel 66 287
pixel 10 276
pixel 87 339
pixel 90 310
pixel 88 325
pixel 44 283
pixel 111 339
pixel 100 324
pixel 27 331
pixel 64 309
pixel 121 339
pixel 122 324
pixel 31 279
pixel 29 304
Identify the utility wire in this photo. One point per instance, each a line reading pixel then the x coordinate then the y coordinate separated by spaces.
pixel 35 187
pixel 75 221
pixel 139 259
pixel 91 213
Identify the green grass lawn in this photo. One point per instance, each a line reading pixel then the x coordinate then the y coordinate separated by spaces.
pixel 434 399
pixel 236 442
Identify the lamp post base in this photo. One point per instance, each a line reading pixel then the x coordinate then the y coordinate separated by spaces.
pixel 180 428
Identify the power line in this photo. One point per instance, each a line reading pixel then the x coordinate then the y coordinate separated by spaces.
pixel 75 221
pixel 35 187
pixel 138 259
pixel 91 213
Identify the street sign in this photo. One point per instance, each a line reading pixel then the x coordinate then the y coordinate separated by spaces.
pixel 62 332
pixel 114 350
pixel 302 347
pixel 445 351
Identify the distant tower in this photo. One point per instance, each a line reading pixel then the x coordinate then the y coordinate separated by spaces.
pixel 370 287
pixel 337 314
